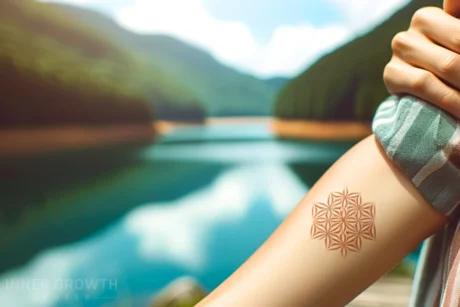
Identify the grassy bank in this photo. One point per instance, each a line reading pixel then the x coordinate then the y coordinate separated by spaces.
pixel 317 130
pixel 26 141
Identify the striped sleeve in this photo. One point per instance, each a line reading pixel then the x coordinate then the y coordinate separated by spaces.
pixel 424 142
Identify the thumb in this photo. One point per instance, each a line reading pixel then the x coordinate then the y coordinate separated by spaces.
pixel 452 7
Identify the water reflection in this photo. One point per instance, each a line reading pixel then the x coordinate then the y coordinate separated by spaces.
pixel 206 234
pixel 67 210
pixel 176 208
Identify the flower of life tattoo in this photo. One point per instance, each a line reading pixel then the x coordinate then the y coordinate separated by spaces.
pixel 343 222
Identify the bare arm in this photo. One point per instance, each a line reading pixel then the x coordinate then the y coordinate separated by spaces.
pixel 315 257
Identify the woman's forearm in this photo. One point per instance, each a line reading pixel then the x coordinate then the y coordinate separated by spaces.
pixel 360 219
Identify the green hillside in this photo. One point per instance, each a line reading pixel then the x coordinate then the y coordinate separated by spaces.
pixel 224 91
pixel 347 83
pixel 57 71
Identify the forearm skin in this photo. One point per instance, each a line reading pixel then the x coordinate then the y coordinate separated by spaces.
pixel 297 266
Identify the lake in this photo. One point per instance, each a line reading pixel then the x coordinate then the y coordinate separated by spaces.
pixel 111 227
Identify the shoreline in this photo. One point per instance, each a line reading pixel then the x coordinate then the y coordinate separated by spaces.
pixel 320 131
pixel 287 129
pixel 29 141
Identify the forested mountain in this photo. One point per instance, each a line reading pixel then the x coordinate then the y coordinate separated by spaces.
pixel 347 83
pixel 56 70
pixel 223 90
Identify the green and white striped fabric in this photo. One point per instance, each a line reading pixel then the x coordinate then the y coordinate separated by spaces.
pixel 424 142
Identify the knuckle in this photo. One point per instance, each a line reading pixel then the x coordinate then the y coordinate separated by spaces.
pixel 423 16
pixel 421 81
pixel 389 73
pixel 386 75
pixel 449 99
pixel 400 41
pixel 449 64
pixel 456 42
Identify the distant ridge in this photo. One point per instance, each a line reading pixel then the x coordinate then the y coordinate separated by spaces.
pixel 347 83
pixel 224 91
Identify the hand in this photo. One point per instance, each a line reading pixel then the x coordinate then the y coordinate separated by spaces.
pixel 426 58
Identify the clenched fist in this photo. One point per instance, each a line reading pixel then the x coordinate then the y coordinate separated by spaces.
pixel 426 58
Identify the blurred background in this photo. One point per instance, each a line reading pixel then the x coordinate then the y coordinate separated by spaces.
pixel 148 147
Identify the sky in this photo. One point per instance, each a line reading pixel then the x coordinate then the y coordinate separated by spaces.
pixel 262 37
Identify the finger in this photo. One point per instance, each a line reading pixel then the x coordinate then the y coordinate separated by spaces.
pixel 452 7
pixel 402 78
pixel 439 26
pixel 417 50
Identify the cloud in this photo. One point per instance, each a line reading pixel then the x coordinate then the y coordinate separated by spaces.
pixel 288 52
pixel 360 15
pixel 231 42
pixel 292 48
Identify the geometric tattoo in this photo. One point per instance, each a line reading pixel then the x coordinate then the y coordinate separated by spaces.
pixel 343 222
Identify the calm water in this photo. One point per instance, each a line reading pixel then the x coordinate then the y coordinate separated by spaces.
pixel 104 228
